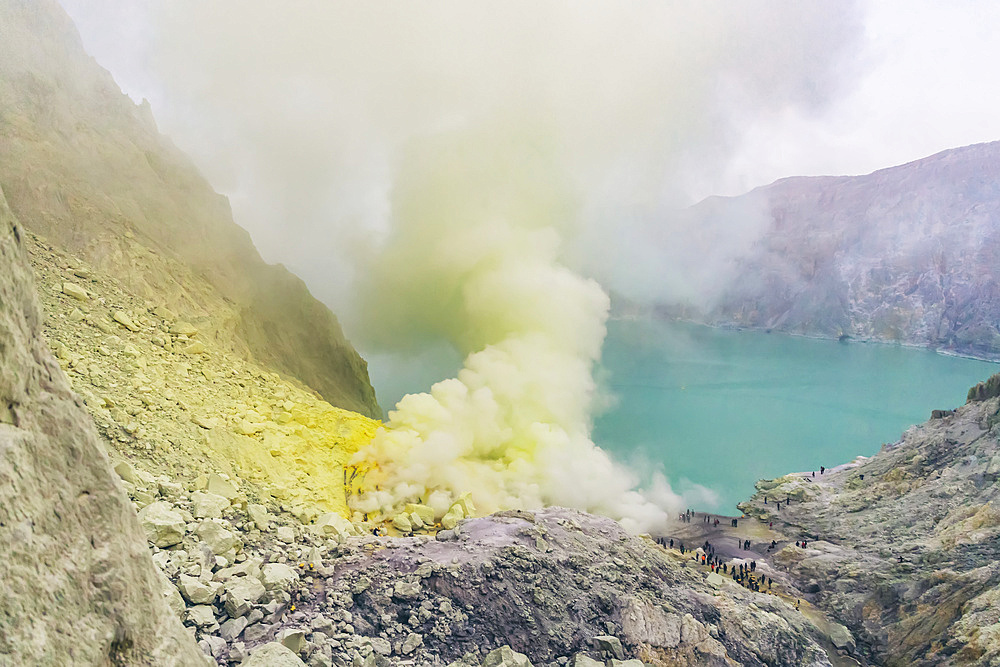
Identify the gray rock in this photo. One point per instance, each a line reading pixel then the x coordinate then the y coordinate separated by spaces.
pixel 410 644
pixel 254 633
pixel 220 487
pixel 217 536
pixel 278 576
pixel 126 472
pixel 214 646
pixel 241 594
pixel 164 526
pixel 294 639
pixel 406 590
pixel 610 645
pixel 232 628
pixel 582 660
pixel 203 616
pixel 273 654
pixel 238 652
pixel 381 646
pixel 74 561
pixel 196 591
pixel 258 514
pixel 75 291
pixel 505 656
pixel 208 505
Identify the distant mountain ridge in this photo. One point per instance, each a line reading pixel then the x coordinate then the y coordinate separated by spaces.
pixel 909 254
pixel 86 168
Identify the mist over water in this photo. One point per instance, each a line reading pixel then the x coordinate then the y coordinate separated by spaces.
pixel 722 409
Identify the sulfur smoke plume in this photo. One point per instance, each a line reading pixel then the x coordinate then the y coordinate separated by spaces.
pixel 476 259
pixel 435 168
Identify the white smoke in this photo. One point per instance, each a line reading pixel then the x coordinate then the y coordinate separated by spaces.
pixel 424 165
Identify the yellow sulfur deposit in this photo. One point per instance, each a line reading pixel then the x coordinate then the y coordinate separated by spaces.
pixel 185 413
pixel 302 461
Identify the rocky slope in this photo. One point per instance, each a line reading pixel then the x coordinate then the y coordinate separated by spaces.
pixel 170 400
pixel 86 168
pixel 904 548
pixel 907 254
pixel 79 586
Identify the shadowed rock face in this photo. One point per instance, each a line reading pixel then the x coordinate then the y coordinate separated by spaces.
pixel 79 586
pixel 87 169
pixel 907 254
pixel 904 547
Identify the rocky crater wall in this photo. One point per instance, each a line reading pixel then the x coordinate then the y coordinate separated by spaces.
pixel 79 586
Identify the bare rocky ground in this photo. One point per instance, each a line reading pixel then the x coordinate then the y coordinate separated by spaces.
pixel 902 548
pixel 237 478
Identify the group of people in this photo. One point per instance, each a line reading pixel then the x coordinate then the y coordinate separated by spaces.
pixel 705 518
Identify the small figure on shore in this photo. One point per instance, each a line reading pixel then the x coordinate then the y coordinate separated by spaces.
pixel 822 469
pixel 765 500
pixel 778 506
pixel 671 543
pixel 814 473
pixel 862 477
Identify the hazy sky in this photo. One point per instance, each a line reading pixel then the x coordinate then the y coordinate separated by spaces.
pixel 927 81
pixel 302 112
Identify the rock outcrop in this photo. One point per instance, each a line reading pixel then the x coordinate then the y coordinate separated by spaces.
pixel 907 254
pixel 86 168
pixel 904 547
pixel 79 586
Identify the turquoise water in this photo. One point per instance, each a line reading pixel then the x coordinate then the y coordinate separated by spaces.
pixel 722 408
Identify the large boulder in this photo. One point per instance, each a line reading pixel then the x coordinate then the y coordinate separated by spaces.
pixel 79 586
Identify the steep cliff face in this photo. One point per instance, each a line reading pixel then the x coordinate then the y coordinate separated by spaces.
pixel 79 586
pixel 907 254
pixel 86 168
pixel 903 547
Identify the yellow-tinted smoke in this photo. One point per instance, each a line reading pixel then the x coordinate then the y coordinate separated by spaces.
pixel 475 258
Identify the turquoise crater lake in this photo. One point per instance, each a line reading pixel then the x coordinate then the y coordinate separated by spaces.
pixel 722 409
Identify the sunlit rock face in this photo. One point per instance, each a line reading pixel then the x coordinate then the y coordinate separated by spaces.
pixel 906 254
pixel 87 169
pixel 79 584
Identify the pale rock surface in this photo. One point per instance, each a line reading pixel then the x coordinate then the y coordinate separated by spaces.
pixel 79 586
pixel 206 505
pixel 164 526
pixel 506 657
pixel 278 576
pixel 273 655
